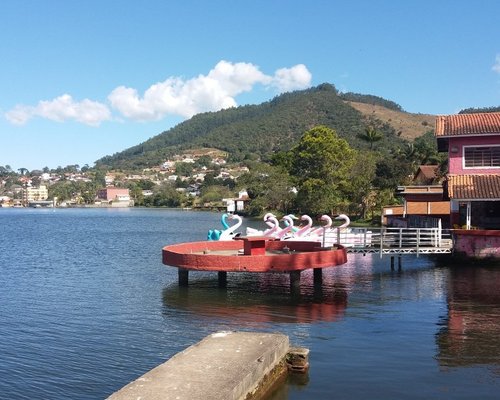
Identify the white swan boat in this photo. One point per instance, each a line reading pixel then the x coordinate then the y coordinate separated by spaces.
pixel 329 236
pixel 326 234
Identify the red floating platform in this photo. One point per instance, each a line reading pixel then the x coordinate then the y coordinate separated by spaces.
pixel 252 254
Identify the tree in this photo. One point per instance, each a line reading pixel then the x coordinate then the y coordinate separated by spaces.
pixel 183 169
pixel 99 177
pixel 371 136
pixel 36 180
pixel 180 183
pixel 209 180
pixel 392 172
pixel 203 161
pixel 214 194
pixel 165 196
pixel 282 159
pixel 408 152
pixel 321 163
pixel 360 184
pixel 88 192
pixel 426 149
pixel 269 189
pixel 145 184
pixel 137 195
pixel 73 168
pixel 61 190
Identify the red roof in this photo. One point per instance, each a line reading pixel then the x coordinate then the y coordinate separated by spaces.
pixel 427 173
pixel 468 124
pixel 474 187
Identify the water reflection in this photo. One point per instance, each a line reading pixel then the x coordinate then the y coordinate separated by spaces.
pixel 250 299
pixel 259 298
pixel 471 331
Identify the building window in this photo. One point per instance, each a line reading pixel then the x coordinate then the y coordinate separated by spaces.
pixel 482 157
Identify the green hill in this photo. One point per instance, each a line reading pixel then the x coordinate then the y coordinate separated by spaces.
pixel 257 131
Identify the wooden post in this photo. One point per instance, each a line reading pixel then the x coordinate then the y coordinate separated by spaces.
pixel 183 276
pixel 222 275
pixel 392 263
pixel 295 282
pixel 318 276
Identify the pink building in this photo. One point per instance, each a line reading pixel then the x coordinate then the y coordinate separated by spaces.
pixel 473 181
pixel 113 194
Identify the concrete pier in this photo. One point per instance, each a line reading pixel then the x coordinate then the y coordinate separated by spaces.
pixel 224 365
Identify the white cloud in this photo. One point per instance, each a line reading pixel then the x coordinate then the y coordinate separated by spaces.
pixel 60 109
pixel 496 66
pixel 176 96
pixel 237 78
pixel 173 96
pixel 19 115
pixel 287 79
pixel 215 91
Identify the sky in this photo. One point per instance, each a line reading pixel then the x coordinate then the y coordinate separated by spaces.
pixel 80 80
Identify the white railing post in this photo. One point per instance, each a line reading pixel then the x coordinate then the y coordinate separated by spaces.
pixel 440 232
pixel 381 241
pixel 415 240
pixel 418 240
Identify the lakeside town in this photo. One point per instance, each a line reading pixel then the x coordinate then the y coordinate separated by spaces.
pixel 184 173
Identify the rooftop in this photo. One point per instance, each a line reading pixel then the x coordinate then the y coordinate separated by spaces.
pixel 420 189
pixel 428 171
pixel 468 124
pixel 474 187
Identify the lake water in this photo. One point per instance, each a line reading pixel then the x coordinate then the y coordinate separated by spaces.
pixel 86 306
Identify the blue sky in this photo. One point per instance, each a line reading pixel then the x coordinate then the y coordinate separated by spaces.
pixel 81 80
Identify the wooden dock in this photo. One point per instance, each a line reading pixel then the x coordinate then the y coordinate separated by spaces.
pixel 393 241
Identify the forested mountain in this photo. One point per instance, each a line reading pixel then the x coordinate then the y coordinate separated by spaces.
pixel 258 131
pixel 479 110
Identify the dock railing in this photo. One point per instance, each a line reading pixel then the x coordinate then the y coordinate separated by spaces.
pixel 391 240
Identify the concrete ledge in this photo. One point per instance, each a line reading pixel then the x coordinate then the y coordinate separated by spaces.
pixel 224 365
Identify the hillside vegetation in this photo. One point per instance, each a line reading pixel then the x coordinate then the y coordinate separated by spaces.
pixel 259 131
